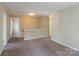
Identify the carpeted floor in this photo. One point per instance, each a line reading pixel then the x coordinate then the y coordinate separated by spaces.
pixel 37 47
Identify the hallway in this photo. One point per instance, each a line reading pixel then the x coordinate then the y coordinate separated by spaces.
pixel 37 47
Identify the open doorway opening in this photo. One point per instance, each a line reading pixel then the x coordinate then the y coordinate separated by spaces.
pixel 16 27
pixel 35 26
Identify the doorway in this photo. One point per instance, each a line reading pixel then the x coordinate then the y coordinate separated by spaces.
pixel 16 27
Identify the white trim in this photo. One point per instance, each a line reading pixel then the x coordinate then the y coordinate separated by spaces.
pixel 66 45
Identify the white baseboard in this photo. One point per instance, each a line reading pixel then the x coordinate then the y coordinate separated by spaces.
pixel 66 45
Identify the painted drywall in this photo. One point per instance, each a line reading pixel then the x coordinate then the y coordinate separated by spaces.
pixel 1 29
pixel 1 26
pixel 30 22
pixel 65 27
pixel 4 26
pixel 10 27
pixel 45 25
pixel 50 24
pixel 34 27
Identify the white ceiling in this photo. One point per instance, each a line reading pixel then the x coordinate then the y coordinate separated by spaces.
pixel 41 8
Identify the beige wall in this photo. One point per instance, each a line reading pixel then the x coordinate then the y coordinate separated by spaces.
pixel 30 22
pixel 45 24
pixel 65 27
pixel 34 26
